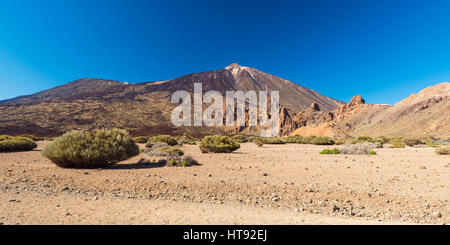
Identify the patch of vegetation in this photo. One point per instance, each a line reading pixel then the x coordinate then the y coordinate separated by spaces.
pixel 293 139
pixel 82 149
pixel 411 141
pixel 259 142
pixel 273 140
pixel 185 139
pixel 11 144
pixel 171 151
pixel 166 139
pixel 330 151
pixel 141 139
pixel 218 144
pixel 397 143
pixel 186 161
pixel 5 137
pixel 443 150
pixel 432 144
pixel 322 140
pixel 239 138
pixel 372 153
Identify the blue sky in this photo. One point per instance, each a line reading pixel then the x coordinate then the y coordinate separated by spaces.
pixel 384 50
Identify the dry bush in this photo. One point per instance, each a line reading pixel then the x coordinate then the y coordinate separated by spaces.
pixel 293 139
pixel 166 139
pixel 411 141
pixel 81 149
pixel 357 149
pixel 10 144
pixel 443 150
pixel 322 140
pixel 258 142
pixel 273 141
pixel 218 144
pixel 141 139
pixel 396 143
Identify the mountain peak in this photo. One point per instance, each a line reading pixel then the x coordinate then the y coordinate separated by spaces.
pixel 233 65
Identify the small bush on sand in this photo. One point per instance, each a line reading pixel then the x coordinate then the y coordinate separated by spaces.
pixel 372 153
pixel 443 150
pixel 322 140
pixel 411 141
pixel 185 139
pixel 10 144
pixel 273 141
pixel 81 149
pixel 166 139
pixel 141 139
pixel 258 142
pixel 171 151
pixel 218 144
pixel 330 151
pixel 239 138
pixel 357 149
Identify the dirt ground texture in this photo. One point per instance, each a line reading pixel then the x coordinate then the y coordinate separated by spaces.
pixel 274 184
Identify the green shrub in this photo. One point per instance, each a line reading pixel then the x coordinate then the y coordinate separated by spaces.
pixel 443 150
pixel 171 151
pixel 166 139
pixel 10 144
pixel 239 138
pixel 172 163
pixel 411 141
pixel 218 144
pixel 141 139
pixel 184 163
pixel 322 140
pixel 330 151
pixel 81 149
pixel 273 141
pixel 258 142
pixel 372 153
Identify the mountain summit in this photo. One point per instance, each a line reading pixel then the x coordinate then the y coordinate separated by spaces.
pixel 143 108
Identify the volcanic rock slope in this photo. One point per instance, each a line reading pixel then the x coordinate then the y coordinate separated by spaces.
pixel 424 113
pixel 142 108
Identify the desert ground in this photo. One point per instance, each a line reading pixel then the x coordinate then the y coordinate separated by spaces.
pixel 275 184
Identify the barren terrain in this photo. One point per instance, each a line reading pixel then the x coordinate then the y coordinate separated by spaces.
pixel 275 184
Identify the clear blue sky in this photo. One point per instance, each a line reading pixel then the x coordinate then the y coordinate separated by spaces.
pixel 384 50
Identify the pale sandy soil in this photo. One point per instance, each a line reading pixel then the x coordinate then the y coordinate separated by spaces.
pixel 276 184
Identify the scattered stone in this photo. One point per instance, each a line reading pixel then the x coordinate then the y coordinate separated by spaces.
pixel 335 208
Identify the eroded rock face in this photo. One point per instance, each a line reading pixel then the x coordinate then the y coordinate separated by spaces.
pixel 357 100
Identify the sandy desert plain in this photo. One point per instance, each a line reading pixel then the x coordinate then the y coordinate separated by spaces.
pixel 274 184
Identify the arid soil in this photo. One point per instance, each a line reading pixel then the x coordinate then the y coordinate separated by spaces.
pixel 275 184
